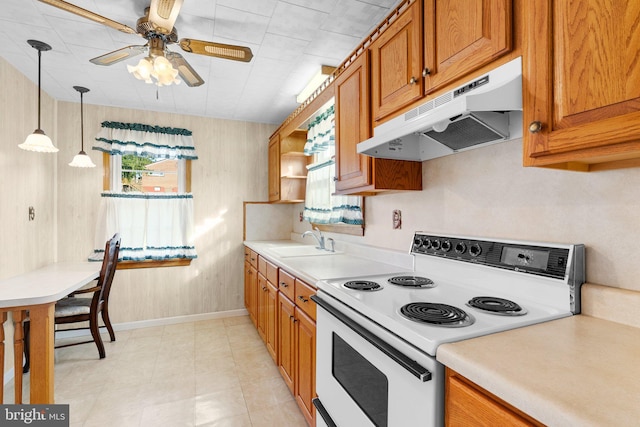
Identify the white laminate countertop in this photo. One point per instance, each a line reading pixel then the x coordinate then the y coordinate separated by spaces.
pixel 47 284
pixel 576 371
pixel 352 262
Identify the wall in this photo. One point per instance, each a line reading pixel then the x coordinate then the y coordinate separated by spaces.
pixel 486 192
pixel 231 168
pixel 27 179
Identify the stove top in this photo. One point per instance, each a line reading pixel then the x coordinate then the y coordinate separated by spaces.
pixel 453 294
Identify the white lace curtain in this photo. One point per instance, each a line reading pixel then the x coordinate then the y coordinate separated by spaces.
pixel 320 205
pixel 153 226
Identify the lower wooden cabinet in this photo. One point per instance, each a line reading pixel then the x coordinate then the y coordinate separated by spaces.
pixel 284 315
pixel 467 404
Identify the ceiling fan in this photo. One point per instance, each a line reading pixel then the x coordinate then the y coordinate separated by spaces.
pixel 156 26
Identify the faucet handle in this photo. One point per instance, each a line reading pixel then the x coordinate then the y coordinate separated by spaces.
pixel 333 243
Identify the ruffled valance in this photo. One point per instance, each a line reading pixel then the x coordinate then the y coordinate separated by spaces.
pixel 117 138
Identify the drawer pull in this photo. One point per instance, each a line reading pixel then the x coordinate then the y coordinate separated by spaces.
pixel 303 299
pixel 284 285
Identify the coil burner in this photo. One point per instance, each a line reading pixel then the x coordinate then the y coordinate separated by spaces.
pixel 437 314
pixel 363 285
pixel 412 281
pixel 495 305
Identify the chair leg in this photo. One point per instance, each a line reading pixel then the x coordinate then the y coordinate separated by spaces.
pixel 27 344
pixel 107 323
pixel 95 333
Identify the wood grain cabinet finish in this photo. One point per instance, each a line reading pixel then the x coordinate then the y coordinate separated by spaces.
pixel 287 167
pixel 286 340
pixel 467 404
pixel 581 77
pixel 305 365
pixel 357 173
pixel 396 64
pixel 251 291
pixel 461 36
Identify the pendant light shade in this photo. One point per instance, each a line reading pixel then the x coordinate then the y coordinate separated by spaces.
pixel 81 160
pixel 38 141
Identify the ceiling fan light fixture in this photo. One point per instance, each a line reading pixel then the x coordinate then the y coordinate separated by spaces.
pixel 163 72
pixel 81 160
pixel 142 71
pixel 38 141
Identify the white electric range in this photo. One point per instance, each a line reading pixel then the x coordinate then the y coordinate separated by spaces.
pixel 377 336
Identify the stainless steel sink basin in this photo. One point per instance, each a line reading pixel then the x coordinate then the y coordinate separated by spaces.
pixel 301 250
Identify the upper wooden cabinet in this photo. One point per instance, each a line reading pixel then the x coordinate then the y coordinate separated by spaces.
pixel 396 64
pixel 287 167
pixel 357 173
pixel 581 77
pixel 461 36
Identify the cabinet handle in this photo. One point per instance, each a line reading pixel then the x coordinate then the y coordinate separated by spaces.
pixel 426 72
pixel 335 178
pixel 413 81
pixel 290 317
pixel 284 285
pixel 535 127
pixel 303 299
pixel 264 288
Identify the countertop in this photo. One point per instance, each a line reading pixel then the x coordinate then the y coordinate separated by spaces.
pixel 349 261
pixel 576 371
pixel 47 284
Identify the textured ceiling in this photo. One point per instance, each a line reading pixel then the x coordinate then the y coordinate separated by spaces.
pixel 290 40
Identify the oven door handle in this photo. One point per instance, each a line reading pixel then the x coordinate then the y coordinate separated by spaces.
pixel 400 358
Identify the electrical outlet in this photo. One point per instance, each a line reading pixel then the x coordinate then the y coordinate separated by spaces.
pixel 397 219
pixel 32 213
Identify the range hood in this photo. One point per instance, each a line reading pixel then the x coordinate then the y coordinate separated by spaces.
pixel 483 111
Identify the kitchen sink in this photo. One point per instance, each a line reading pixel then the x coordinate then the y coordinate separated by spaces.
pixel 302 250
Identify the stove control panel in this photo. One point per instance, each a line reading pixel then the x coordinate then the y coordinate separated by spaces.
pixel 525 257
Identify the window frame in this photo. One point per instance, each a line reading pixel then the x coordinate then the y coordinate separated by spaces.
pixel 130 264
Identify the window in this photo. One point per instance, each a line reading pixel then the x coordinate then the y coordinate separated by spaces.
pixel 146 195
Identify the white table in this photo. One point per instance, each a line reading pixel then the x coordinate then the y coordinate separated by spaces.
pixel 38 291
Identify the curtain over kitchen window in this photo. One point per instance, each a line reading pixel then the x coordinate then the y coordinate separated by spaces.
pixel 153 226
pixel 321 206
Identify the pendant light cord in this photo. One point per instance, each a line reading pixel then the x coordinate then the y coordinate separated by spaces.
pixel 39 87
pixel 81 124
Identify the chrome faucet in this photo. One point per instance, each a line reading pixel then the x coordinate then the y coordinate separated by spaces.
pixel 319 237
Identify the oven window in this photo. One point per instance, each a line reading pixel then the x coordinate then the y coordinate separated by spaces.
pixel 366 385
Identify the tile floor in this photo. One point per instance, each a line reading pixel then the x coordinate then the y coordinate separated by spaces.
pixel 207 373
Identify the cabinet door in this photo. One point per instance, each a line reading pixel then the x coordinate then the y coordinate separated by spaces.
pixel 463 35
pixel 581 79
pixel 306 365
pixel 286 340
pixel 466 404
pixel 251 291
pixel 396 64
pixel 353 124
pixel 271 322
pixel 262 306
pixel 274 168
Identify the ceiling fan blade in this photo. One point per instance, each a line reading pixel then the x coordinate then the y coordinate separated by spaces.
pixel 163 14
pixel 60 4
pixel 118 55
pixel 219 50
pixel 187 73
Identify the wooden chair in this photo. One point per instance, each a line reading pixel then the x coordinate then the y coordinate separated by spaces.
pixel 73 310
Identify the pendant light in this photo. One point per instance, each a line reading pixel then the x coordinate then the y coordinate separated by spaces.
pixel 81 160
pixel 38 141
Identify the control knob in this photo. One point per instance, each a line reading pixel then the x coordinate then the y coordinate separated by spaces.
pixel 435 244
pixel 427 243
pixel 446 246
pixel 475 250
pixel 460 248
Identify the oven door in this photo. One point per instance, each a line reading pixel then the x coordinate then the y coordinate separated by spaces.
pixel 367 376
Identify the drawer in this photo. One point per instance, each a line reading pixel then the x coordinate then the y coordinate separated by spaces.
pixel 286 284
pixel 262 266
pixel 303 298
pixel 251 256
pixel 272 273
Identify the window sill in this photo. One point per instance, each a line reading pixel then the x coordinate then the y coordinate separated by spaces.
pixel 179 262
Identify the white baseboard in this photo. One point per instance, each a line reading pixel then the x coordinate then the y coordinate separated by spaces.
pixel 8 376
